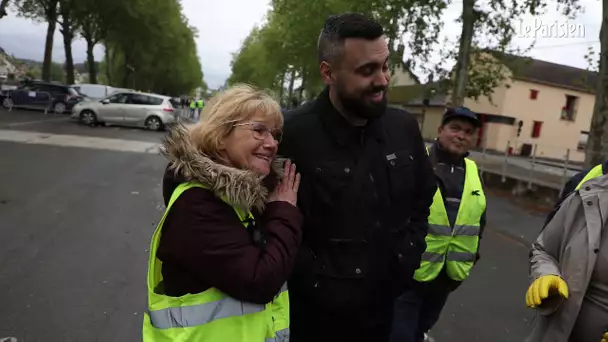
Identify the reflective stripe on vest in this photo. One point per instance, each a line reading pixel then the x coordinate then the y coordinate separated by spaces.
pixel 211 315
pixel 456 247
pixel 597 171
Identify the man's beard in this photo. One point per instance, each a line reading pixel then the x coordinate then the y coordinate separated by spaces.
pixel 357 106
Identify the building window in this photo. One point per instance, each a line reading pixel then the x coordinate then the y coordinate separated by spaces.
pixel 582 141
pixel 536 129
pixel 533 94
pixel 569 109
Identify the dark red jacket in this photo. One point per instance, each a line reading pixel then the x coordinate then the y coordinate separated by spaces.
pixel 203 242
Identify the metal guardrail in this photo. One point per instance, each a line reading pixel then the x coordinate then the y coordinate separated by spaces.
pixel 532 168
pixel 32 99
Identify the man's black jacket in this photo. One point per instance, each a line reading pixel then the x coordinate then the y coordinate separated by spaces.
pixel 365 195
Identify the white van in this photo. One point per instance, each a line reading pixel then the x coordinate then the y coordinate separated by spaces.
pixel 94 91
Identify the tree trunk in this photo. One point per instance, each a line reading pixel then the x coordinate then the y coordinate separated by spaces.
pixel 464 52
pixel 68 38
pixel 91 62
pixel 108 64
pixel 127 75
pixel 282 87
pixel 3 7
pixel 302 86
pixel 69 60
pixel 51 18
pixel 292 79
pixel 597 143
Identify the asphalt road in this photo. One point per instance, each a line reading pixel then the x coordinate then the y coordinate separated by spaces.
pixel 75 225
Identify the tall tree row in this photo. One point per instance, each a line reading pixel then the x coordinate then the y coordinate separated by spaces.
pixel 148 44
pixel 281 53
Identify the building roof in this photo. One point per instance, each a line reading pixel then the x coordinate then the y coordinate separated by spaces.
pixel 414 95
pixel 552 74
pixel 407 67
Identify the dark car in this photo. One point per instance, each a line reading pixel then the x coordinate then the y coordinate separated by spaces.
pixel 59 98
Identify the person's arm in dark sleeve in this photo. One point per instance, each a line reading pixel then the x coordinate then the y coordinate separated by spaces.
pixel 482 224
pixel 569 187
pixel 482 220
pixel 426 185
pixel 208 239
pixel 302 276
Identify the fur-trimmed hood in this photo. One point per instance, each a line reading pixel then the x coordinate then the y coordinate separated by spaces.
pixel 241 188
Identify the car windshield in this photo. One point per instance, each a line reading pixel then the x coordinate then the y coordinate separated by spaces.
pixel 75 91
pixel 174 102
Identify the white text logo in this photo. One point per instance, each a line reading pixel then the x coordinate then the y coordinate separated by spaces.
pixel 556 29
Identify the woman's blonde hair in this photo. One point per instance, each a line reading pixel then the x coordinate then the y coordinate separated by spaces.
pixel 235 104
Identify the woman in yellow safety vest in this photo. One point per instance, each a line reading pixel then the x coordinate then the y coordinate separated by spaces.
pixel 222 252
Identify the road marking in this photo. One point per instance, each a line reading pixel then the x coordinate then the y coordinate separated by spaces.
pixel 15 124
pixel 79 141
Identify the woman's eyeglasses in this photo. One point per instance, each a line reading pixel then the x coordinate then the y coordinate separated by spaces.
pixel 260 131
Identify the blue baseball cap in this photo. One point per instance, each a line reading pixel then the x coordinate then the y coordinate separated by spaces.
pixel 460 113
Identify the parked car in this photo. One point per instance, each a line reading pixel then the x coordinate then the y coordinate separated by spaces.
pixel 94 91
pixel 151 111
pixel 43 95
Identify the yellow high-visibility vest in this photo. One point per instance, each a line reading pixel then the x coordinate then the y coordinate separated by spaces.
pixel 454 247
pixel 209 316
pixel 597 171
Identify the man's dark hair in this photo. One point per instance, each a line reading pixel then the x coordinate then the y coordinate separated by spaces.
pixel 337 28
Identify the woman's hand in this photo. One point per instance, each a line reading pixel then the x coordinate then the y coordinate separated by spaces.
pixel 287 189
pixel 543 287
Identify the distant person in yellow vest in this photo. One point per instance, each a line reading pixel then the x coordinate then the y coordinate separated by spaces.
pixel 456 223
pixel 200 104
pixel 192 107
pixel 221 254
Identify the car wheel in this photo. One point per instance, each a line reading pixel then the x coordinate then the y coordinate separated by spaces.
pixel 7 103
pixel 87 117
pixel 153 123
pixel 59 108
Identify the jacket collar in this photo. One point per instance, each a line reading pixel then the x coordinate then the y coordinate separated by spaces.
pixel 243 189
pixel 338 127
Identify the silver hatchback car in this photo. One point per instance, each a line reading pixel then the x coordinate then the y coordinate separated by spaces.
pixel 151 111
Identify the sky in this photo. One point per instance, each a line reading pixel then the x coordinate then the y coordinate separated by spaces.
pixel 223 25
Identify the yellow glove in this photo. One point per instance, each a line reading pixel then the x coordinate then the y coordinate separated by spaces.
pixel 605 337
pixel 543 287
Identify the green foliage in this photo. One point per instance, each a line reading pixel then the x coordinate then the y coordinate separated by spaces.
pixel 287 40
pixel 593 59
pixel 159 51
pixel 494 27
pixel 285 46
pixel 57 73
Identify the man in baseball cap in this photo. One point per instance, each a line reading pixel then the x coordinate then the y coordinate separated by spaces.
pixel 456 223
